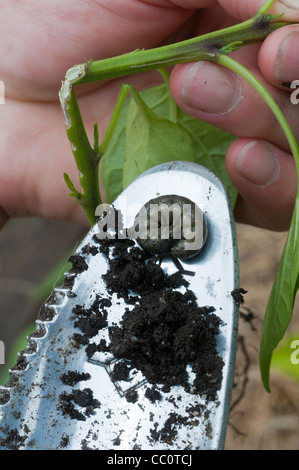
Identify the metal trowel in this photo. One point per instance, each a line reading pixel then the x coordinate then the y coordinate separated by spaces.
pixel 62 395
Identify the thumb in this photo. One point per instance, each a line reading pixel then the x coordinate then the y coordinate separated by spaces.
pixel 244 9
pixel 289 8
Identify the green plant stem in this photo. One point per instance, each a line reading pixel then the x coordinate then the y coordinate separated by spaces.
pixel 173 111
pixel 265 7
pixel 113 121
pixel 282 298
pixel 231 64
pixel 87 160
pixel 204 47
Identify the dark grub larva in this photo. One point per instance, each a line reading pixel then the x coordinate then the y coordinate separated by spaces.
pixel 171 225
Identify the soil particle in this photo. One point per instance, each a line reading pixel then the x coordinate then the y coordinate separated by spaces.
pixel 83 398
pixel 90 250
pixel 152 394
pixel 73 377
pixel 166 332
pixel 131 396
pixel 168 432
pixel 120 372
pixel 64 441
pixel 78 264
pixel 238 295
pixel 4 396
pixel 13 439
pixel 94 347
pixel 92 319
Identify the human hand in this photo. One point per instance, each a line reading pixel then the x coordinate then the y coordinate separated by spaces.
pixel 259 161
pixel 38 44
pixel 34 150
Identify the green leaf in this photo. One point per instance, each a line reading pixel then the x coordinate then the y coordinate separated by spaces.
pixel 211 146
pixel 111 164
pixel 285 358
pixel 209 143
pixel 152 139
pixel 70 185
pixel 282 298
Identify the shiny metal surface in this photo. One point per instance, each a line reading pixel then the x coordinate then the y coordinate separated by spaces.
pixel 31 416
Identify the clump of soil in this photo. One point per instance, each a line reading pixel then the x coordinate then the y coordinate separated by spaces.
pixel 238 295
pixel 132 273
pixel 83 398
pixel 152 394
pixel 90 320
pixel 72 377
pixel 13 439
pixel 166 334
pixel 78 264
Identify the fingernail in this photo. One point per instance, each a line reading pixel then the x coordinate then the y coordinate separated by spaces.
pixel 290 4
pixel 211 88
pixel 287 64
pixel 258 164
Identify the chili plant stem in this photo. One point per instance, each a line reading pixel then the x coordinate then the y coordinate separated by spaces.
pixel 281 301
pixel 204 47
pixel 87 160
pixel 113 121
pixel 231 64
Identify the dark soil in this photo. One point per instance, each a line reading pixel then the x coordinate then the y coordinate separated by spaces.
pixel 238 295
pixel 72 377
pixel 164 333
pixel 166 330
pixel 83 398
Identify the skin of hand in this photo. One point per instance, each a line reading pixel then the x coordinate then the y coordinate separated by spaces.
pixel 39 43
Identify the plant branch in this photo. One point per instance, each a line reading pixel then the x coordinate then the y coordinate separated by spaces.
pixel 265 7
pixel 113 121
pixel 228 62
pixel 281 301
pixel 204 47
pixel 87 159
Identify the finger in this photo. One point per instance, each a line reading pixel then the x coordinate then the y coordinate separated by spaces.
pixel 3 218
pixel 278 56
pixel 218 96
pixel 194 3
pixel 34 154
pixel 241 9
pixel 288 8
pixel 244 9
pixel 265 177
pixel 53 38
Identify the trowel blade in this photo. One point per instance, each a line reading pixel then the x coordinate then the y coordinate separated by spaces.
pixel 60 397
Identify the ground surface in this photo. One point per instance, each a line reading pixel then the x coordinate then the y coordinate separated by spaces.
pixel 29 249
